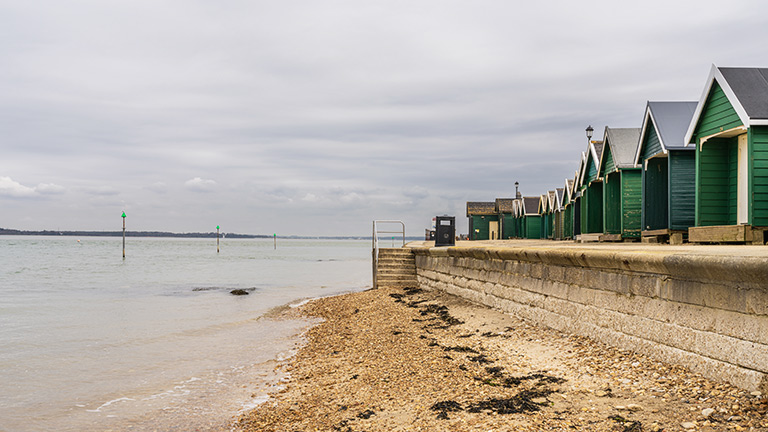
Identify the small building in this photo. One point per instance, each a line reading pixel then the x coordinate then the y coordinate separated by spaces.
pixel 505 210
pixel 517 207
pixel 483 220
pixel 668 170
pixel 567 205
pixel 531 219
pixel 578 191
pixel 591 206
pixel 622 186
pixel 558 226
pixel 545 230
pixel 730 132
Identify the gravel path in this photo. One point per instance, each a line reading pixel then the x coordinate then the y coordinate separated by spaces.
pixel 397 360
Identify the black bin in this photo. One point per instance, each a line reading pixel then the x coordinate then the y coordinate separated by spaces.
pixel 445 231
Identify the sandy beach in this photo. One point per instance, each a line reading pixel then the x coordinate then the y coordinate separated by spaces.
pixel 393 359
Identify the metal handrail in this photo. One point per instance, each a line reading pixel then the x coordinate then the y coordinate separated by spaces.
pixel 375 243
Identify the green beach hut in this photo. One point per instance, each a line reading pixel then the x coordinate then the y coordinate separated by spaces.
pixel 729 130
pixel 621 184
pixel 567 205
pixel 591 206
pixel 545 210
pixel 531 225
pixel 483 220
pixel 558 226
pixel 668 170
pixel 517 205
pixel 505 210
pixel 578 192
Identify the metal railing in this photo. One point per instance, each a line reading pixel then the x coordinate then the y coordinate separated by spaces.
pixel 375 245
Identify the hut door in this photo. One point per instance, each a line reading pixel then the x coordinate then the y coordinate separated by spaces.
pixel 742 189
pixel 493 227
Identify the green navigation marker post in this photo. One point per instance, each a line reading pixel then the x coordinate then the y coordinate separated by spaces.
pixel 217 239
pixel 275 237
pixel 123 216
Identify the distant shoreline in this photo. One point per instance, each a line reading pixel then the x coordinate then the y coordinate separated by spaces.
pixel 6 231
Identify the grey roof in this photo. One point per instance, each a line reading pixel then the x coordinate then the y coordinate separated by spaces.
pixel 746 90
pixel 598 150
pixel 623 143
pixel 531 205
pixel 552 195
pixel 750 85
pixel 671 120
pixel 560 193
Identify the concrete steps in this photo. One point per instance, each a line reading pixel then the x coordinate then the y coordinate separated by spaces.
pixel 396 268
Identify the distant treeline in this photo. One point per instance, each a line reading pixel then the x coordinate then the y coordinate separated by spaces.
pixel 6 231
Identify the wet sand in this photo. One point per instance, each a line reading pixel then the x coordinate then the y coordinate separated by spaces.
pixel 396 360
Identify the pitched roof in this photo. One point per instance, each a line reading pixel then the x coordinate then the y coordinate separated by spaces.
pixel 670 120
pixel 746 90
pixel 623 144
pixel 504 205
pixel 531 205
pixel 594 151
pixel 552 205
pixel 582 167
pixel 481 208
pixel 568 189
pixel 559 194
pixel 543 204
pixel 750 85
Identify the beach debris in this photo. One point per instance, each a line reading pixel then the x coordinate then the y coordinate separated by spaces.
pixel 523 402
pixel 629 425
pixel 366 414
pixel 481 358
pixel 239 292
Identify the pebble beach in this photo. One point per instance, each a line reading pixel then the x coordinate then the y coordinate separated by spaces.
pixel 408 359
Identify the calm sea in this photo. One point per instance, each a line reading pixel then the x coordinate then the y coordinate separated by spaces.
pixel 89 341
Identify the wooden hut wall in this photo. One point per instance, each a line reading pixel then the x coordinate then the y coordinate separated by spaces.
pixel 612 203
pixel 682 189
pixel 716 164
pixel 655 194
pixel 532 227
pixel 631 190
pixel 758 178
pixel 507 226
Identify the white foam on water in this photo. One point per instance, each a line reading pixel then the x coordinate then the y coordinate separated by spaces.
pixel 106 404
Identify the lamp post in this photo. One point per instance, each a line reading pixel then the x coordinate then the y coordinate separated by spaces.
pixel 589 131
pixel 517 194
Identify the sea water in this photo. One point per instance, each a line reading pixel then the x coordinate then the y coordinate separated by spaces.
pixel 155 341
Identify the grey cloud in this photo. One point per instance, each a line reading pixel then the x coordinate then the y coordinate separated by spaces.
pixel 341 109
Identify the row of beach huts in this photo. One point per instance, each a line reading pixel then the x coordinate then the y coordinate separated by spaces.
pixel 694 171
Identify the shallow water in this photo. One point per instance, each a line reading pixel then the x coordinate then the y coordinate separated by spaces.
pixel 89 341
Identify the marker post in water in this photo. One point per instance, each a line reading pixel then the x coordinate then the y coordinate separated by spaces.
pixel 217 239
pixel 275 237
pixel 123 216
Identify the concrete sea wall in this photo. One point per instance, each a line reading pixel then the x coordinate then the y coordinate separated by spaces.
pixel 706 311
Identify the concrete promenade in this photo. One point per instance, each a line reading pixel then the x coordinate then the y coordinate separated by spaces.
pixel 700 306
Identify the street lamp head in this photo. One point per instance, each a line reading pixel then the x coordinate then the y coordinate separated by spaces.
pixel 589 131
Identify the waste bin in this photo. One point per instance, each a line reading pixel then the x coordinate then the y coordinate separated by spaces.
pixel 445 231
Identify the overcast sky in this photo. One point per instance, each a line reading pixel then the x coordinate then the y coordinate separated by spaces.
pixel 315 117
